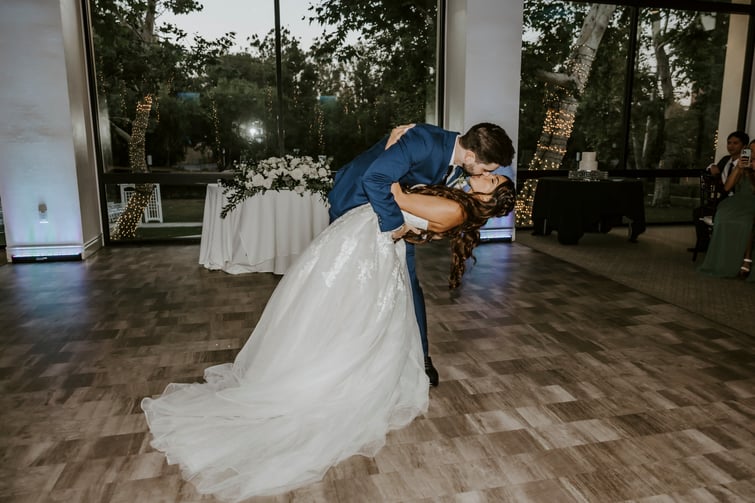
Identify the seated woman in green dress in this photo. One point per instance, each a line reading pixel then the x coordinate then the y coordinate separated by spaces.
pixel 730 250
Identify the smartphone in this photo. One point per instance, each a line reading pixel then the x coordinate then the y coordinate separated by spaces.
pixel 746 155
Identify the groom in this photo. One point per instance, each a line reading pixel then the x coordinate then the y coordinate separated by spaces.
pixel 424 154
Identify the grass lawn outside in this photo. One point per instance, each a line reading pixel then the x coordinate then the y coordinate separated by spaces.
pixel 187 214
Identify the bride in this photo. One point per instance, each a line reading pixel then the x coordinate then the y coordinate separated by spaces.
pixel 335 361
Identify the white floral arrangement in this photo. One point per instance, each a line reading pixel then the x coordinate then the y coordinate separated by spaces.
pixel 297 174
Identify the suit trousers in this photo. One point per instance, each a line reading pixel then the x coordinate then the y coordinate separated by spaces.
pixel 418 296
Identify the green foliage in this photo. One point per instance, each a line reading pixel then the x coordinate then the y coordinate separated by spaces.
pixel 180 126
pixel 682 130
pixel 598 125
pixel 550 30
pixel 240 87
pixel 338 98
pixel 137 55
pixel 296 174
pixel 391 67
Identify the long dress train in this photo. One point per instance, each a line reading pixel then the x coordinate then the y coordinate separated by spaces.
pixel 334 363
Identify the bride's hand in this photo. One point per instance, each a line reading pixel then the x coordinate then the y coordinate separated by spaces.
pixel 404 230
pixel 397 133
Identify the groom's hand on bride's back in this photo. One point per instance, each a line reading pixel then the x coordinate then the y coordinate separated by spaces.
pixel 397 133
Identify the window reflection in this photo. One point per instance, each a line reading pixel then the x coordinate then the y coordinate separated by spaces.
pixel 573 67
pixel 677 89
pixel 683 88
pixel 173 211
pixel 351 74
pixel 184 90
pixel 2 234
pixel 198 91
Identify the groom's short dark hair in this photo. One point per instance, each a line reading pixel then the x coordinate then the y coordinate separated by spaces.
pixel 489 142
pixel 741 135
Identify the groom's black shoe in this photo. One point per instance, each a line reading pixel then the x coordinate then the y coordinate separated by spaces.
pixel 431 372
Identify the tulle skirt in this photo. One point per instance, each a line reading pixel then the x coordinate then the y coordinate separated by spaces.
pixel 334 363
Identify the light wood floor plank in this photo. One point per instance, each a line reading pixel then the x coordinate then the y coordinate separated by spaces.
pixel 557 385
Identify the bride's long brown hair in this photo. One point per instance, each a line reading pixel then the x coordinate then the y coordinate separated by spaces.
pixel 466 236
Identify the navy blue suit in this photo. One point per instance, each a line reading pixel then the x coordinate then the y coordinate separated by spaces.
pixel 421 156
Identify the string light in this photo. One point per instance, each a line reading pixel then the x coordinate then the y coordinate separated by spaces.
pixel 524 199
pixel 557 128
pixel 136 147
pixel 320 124
pixel 216 126
pixel 269 101
pixel 128 221
pixel 155 109
pixel 549 154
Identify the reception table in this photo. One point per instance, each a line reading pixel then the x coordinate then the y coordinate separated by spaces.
pixel 572 207
pixel 265 233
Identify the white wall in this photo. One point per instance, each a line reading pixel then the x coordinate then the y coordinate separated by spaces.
pixel 750 125
pixel 46 154
pixel 483 63
pixel 736 45
pixel 456 60
pixel 82 125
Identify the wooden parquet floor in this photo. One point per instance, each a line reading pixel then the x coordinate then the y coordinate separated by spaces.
pixel 557 385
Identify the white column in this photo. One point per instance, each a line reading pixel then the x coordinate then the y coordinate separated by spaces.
pixel 750 124
pixel 483 66
pixel 46 147
pixel 731 91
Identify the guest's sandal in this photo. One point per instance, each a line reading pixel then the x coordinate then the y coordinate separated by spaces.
pixel 744 271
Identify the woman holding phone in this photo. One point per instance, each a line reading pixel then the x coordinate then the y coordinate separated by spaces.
pixel 730 250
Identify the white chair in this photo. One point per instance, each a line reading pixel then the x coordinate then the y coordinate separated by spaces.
pixel 154 210
pixel 114 211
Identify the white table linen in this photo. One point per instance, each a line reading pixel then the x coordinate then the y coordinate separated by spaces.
pixel 264 233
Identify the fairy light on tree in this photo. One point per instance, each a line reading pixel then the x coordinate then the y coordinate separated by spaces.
pixel 269 101
pixel 320 125
pixel 149 56
pixel 216 129
pixel 127 223
pixel 565 89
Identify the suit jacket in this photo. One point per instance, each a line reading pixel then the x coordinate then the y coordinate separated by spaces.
pixel 719 178
pixel 421 156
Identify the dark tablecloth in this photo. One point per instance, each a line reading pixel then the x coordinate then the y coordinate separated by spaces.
pixel 573 207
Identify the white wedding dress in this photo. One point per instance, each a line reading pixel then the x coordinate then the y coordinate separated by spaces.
pixel 334 363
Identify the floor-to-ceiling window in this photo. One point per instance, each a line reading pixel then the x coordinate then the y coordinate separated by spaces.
pixel 185 91
pixel 643 85
pixel 2 228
